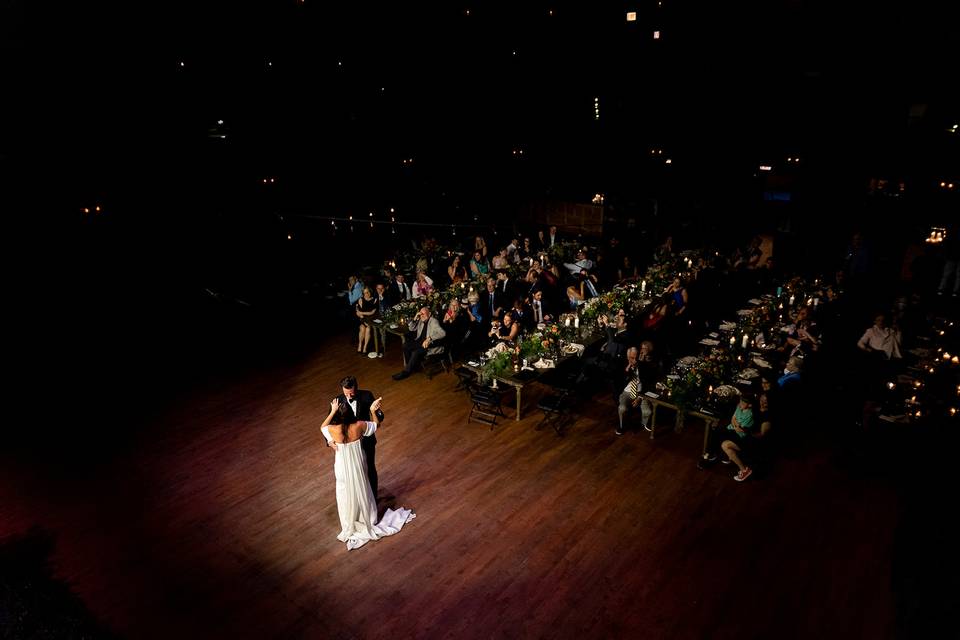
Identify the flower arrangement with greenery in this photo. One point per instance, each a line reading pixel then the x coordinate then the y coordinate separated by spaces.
pixel 497 366
pixel 538 345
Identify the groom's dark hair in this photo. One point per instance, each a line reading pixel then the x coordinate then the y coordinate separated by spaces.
pixel 349 383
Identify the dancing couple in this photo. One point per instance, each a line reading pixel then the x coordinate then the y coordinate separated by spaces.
pixel 351 432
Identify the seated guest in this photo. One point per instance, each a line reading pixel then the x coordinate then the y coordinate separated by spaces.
pixel 354 290
pixel 767 403
pixel 736 438
pixel 455 323
pixel 540 308
pixel 791 373
pixel 582 262
pixel 475 328
pixel 627 270
pixel 526 250
pixel 678 296
pixel 803 337
pixel 522 314
pixel 399 291
pixel 629 398
pixel 501 261
pixel 423 286
pixel 381 298
pixel 618 335
pixel 424 332
pixel 365 309
pixel 506 287
pixel 492 301
pixel 585 287
pixel 478 264
pixel 506 332
pixel 881 340
pixel 456 271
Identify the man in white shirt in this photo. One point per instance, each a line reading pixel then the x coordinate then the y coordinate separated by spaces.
pixel 582 263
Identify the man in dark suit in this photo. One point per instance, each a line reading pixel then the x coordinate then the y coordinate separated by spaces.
pixel 399 291
pixel 493 303
pixel 359 401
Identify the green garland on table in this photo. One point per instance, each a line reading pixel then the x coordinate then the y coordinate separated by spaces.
pixel 497 366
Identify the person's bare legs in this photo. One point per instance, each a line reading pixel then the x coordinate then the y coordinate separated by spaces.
pixel 365 332
pixel 360 338
pixel 730 448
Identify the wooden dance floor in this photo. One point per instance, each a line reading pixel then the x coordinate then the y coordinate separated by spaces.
pixel 218 519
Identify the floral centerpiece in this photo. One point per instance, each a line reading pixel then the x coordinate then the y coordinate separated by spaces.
pixel 499 364
pixel 539 345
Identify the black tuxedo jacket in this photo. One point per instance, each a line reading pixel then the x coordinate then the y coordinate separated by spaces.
pixel 395 296
pixel 364 400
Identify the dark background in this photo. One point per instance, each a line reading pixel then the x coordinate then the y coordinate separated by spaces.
pixel 329 99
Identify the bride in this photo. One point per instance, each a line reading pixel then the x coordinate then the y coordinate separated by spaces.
pixel 355 501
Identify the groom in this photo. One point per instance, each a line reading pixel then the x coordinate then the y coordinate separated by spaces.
pixel 359 401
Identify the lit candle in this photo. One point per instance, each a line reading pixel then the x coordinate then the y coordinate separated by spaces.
pixel 566 322
pixel 746 340
pixel 809 301
pixel 576 322
pixel 791 300
pixel 946 356
pixel 816 301
pixel 955 360
pixel 733 340
pixel 643 286
pixel 709 389
pixel 953 411
pixel 891 385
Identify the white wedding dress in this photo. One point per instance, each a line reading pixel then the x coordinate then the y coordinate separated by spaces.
pixel 355 501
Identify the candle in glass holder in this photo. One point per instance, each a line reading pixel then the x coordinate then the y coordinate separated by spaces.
pixel 566 322
pixel 746 341
pixel 733 340
pixel 643 286
pixel 816 301
pixel 576 322
pixel 792 298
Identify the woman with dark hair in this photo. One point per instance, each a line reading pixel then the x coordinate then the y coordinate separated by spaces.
pixel 679 297
pixel 508 330
pixel 356 504
pixel 478 264
pixel 456 271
